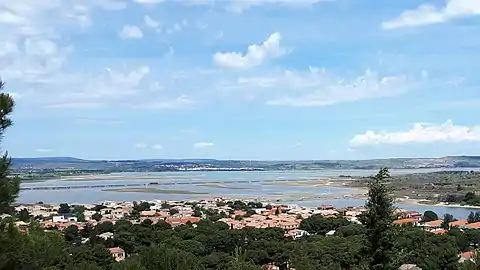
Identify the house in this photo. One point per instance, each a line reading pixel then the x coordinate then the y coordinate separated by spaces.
pixel 330 233
pixel 435 224
pixel 296 233
pixel 439 231
pixel 58 219
pixel 148 213
pixel 118 253
pixel 404 221
pixel 409 267
pixel 106 235
pixel 413 214
pixel 475 225
pixel 467 256
pixel 182 220
pixel 458 223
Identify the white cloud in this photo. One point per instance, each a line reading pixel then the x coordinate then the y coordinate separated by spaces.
pixel 8 17
pixel 102 121
pixel 33 57
pixel 179 102
pixel 131 31
pixel 151 2
pixel 319 87
pixel 430 14
pixel 140 145
pixel 150 22
pixel 421 133
pixel 242 5
pixel 75 105
pixel 157 147
pixel 328 90
pixel 201 145
pixel 255 55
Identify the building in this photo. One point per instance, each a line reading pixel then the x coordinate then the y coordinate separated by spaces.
pixel 117 253
pixel 57 219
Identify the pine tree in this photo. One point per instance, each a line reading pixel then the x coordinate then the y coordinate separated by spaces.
pixel 378 221
pixel 9 186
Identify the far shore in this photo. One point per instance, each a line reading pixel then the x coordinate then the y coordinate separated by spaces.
pixel 423 203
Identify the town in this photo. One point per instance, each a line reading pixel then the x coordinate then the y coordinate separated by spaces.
pixel 235 214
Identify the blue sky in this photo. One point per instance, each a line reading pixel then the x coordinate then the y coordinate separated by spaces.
pixel 242 79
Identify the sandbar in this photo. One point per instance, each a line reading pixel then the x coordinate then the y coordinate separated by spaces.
pixel 156 190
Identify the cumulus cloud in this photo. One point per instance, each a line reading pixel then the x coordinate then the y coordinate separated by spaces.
pixel 255 55
pixel 421 133
pixel 131 32
pixel 430 14
pixel 201 145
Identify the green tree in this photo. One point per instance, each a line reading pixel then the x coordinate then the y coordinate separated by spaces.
pixel 161 258
pixel 240 262
pixel 24 215
pixel 447 218
pixel 97 216
pixel 317 224
pixel 477 216
pixel 429 216
pixel 64 209
pixel 378 222
pixel 9 186
pixel 471 217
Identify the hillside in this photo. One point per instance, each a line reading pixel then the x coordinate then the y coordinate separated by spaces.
pixel 69 163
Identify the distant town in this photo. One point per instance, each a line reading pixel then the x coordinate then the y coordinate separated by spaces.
pixel 38 168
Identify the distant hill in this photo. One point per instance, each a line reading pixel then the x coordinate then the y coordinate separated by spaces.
pixel 43 163
pixel 47 160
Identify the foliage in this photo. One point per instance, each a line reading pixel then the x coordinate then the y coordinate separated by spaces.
pixel 378 221
pixel 447 218
pixel 319 225
pixel 429 216
pixel 9 186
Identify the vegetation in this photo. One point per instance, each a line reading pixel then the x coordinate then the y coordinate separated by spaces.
pixel 454 187
pixel 9 186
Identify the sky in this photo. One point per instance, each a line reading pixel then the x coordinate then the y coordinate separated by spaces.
pixel 241 79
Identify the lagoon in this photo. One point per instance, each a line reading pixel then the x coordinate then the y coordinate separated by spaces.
pixel 261 185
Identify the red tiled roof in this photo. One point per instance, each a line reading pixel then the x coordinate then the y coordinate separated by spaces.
pixel 116 250
pixel 405 221
pixel 458 223
pixel 182 220
pixel 440 232
pixel 475 225
pixel 435 223
pixel 468 254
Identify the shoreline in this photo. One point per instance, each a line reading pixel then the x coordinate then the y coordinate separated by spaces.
pixel 440 204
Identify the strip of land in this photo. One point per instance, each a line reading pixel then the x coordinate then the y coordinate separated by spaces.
pixel 155 190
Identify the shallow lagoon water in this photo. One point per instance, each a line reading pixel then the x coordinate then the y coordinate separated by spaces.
pixel 205 182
